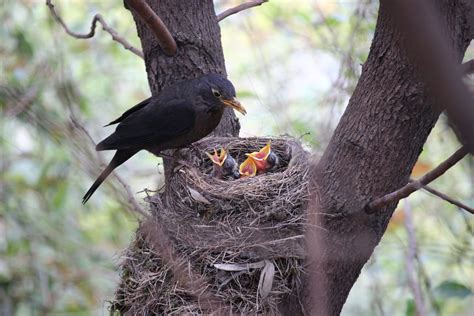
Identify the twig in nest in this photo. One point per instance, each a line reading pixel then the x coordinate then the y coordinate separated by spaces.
pixel 156 25
pixel 183 275
pixel 244 6
pixel 418 184
pixel 97 18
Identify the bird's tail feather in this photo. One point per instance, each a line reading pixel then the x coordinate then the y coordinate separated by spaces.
pixel 119 158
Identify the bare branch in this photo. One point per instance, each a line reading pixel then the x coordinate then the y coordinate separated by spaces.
pixel 418 184
pixel 156 25
pixel 468 67
pixel 97 18
pixel 244 6
pixel 447 198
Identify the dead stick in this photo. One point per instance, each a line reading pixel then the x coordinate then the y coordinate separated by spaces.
pixel 97 18
pixel 418 184
pixel 156 25
pixel 244 6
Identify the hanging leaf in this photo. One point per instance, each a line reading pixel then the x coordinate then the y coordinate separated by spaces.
pixel 449 289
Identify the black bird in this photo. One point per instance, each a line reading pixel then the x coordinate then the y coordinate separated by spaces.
pixel 180 115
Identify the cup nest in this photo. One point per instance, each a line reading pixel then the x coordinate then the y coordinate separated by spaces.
pixel 220 245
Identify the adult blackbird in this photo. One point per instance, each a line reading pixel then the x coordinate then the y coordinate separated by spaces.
pixel 180 115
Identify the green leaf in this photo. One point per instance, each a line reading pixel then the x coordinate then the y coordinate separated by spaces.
pixel 449 289
pixel 410 308
pixel 23 45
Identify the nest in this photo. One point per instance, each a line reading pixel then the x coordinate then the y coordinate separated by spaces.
pixel 235 246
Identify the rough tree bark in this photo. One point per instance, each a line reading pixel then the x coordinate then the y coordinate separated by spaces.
pixel 371 153
pixel 194 26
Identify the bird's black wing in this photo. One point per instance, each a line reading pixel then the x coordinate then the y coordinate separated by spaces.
pixel 130 111
pixel 151 125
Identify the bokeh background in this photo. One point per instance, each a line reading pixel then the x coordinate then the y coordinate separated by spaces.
pixel 295 65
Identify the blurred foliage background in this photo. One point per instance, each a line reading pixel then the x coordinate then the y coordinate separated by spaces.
pixel 295 65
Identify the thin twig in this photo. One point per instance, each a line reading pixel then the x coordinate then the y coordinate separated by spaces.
pixel 244 6
pixel 410 262
pixel 418 184
pixel 22 103
pixel 156 25
pixel 447 198
pixel 97 18
pixel 468 67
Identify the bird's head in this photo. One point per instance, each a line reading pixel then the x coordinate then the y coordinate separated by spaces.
pixel 220 91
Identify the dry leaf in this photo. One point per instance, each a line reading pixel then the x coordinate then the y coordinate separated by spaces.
pixel 266 279
pixel 239 266
pixel 198 196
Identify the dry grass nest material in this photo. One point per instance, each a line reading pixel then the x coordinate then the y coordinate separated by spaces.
pixel 235 243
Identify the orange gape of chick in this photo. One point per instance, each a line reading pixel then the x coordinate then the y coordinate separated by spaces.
pixel 259 162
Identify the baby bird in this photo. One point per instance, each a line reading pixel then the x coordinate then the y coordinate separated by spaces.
pixel 224 165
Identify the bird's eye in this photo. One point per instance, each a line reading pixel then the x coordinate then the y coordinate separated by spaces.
pixel 216 93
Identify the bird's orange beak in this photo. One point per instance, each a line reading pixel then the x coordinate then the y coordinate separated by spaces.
pixel 248 168
pixel 218 159
pixel 235 104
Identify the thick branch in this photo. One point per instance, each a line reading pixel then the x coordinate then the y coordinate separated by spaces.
pixel 244 6
pixel 97 18
pixel 447 198
pixel 418 184
pixel 156 25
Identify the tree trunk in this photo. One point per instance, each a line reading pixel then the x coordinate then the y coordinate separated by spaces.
pixel 195 28
pixel 371 153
